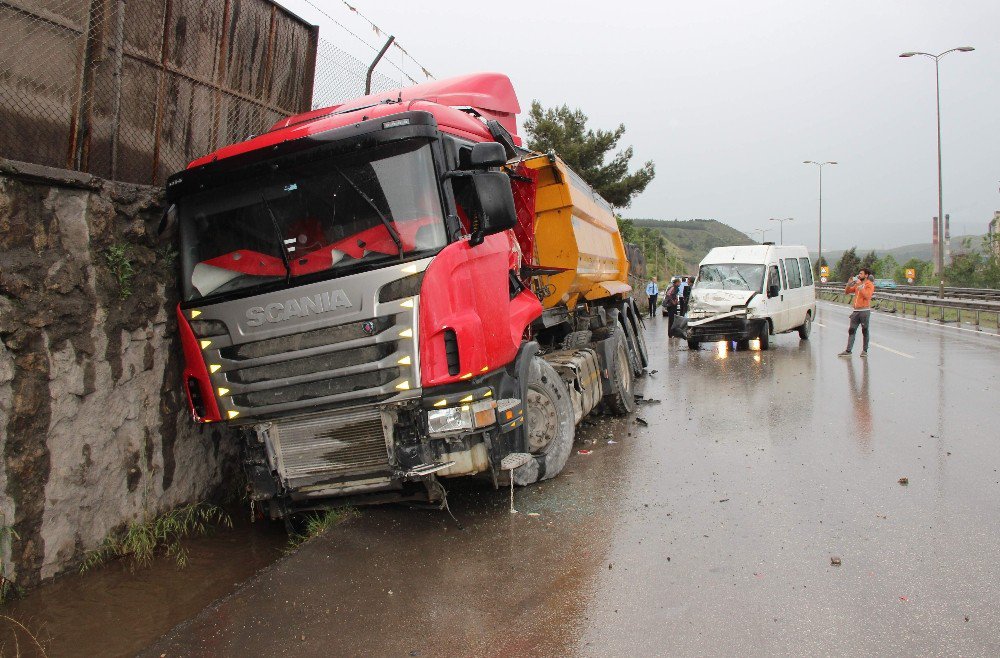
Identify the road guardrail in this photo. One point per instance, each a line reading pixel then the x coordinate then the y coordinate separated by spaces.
pixel 977 312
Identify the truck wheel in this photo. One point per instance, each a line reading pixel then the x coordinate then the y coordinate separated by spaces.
pixel 575 339
pixel 620 398
pixel 640 336
pixel 548 424
pixel 631 344
pixel 806 327
pixel 764 336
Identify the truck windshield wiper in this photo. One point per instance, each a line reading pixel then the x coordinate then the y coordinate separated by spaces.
pixel 281 239
pixel 385 222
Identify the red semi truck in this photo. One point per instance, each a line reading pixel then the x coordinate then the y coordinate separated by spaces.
pixel 392 291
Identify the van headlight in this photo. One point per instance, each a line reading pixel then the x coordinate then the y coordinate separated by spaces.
pixel 450 420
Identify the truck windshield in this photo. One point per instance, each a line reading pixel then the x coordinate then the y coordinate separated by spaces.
pixel 731 276
pixel 312 219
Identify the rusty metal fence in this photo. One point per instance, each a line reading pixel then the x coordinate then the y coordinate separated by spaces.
pixel 133 90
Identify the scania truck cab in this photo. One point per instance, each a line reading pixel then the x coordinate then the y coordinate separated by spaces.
pixel 358 306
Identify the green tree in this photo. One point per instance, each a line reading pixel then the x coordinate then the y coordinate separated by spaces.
pixel 565 131
pixel 870 261
pixel 848 265
pixel 886 267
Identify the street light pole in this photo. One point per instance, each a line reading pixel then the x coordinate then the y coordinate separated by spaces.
pixel 937 86
pixel 763 232
pixel 781 240
pixel 820 166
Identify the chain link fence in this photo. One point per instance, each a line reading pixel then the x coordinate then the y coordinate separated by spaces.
pixel 133 90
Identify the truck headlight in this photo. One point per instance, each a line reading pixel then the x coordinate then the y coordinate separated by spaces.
pixel 449 421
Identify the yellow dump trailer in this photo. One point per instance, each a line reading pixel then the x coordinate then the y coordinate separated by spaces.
pixel 576 234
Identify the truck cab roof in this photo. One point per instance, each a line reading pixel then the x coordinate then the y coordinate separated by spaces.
pixel 459 105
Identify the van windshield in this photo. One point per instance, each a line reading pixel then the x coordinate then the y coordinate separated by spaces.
pixel 731 276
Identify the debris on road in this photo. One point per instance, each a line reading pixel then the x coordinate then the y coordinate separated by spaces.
pixel 611 442
pixel 904 599
pixel 724 500
pixel 835 561
pixel 641 421
pixel 584 452
pixel 904 481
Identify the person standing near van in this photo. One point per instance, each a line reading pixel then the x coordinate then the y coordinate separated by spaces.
pixel 681 287
pixel 652 290
pixel 686 295
pixel 862 288
pixel 671 301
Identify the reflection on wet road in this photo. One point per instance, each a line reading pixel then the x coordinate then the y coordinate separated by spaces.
pixel 711 531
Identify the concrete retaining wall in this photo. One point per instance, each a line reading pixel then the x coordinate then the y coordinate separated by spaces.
pixel 94 431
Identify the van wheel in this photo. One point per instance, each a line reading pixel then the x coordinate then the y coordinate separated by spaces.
pixel 806 327
pixel 693 343
pixel 620 398
pixel 764 335
pixel 548 424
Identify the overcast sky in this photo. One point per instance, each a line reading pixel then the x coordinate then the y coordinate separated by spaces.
pixel 729 97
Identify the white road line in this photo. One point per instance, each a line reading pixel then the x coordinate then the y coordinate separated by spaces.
pixel 889 349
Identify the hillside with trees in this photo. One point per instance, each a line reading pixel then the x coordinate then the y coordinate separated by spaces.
pixel 694 238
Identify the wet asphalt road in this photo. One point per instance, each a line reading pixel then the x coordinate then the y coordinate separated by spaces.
pixel 710 531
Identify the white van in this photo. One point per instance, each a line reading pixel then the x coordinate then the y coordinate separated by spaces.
pixel 749 292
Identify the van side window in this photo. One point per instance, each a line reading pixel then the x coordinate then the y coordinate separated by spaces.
pixel 792 270
pixel 773 279
pixel 807 272
pixel 784 281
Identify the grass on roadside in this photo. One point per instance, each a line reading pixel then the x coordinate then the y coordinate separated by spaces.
pixel 8 589
pixel 317 523
pixel 141 541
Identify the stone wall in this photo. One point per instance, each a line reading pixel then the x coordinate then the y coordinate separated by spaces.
pixel 94 431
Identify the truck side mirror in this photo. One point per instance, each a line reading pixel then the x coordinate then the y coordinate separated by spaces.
pixel 773 291
pixel 168 224
pixel 494 203
pixel 483 156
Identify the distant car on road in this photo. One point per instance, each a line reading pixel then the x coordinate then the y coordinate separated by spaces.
pixel 885 283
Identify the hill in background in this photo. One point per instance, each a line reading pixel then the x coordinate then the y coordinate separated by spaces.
pixel 694 238
pixel 921 251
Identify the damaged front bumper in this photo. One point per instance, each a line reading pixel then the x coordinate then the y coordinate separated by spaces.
pixel 732 325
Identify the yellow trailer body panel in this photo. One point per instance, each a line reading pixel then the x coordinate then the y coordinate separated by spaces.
pixel 575 231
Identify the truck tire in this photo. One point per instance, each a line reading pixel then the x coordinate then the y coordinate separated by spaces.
pixel 764 336
pixel 619 398
pixel 640 336
pixel 577 339
pixel 806 327
pixel 632 344
pixel 548 424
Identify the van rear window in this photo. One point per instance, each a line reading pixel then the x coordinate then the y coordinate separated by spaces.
pixel 792 270
pixel 807 274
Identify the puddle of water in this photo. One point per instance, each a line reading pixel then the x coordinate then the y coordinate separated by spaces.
pixel 111 611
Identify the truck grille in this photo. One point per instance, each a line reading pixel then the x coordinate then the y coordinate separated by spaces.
pixel 337 366
pixel 328 447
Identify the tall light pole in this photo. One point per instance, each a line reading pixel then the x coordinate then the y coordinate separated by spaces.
pixel 937 83
pixel 820 166
pixel 782 227
pixel 762 231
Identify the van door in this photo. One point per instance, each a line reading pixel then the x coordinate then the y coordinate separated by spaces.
pixel 795 306
pixel 772 307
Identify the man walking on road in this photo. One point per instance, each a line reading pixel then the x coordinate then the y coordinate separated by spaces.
pixel 652 290
pixel 862 288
